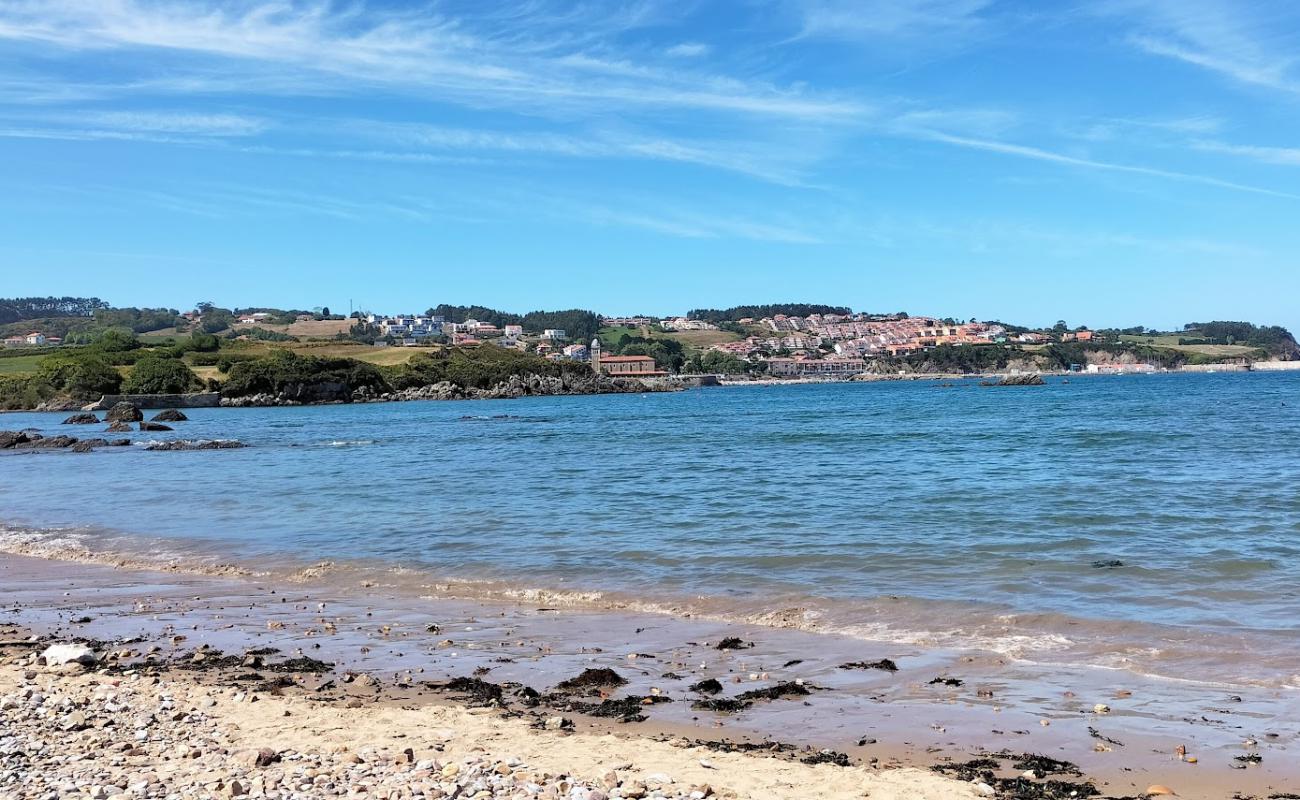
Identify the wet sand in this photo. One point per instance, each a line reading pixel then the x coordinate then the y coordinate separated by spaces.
pixel 1122 731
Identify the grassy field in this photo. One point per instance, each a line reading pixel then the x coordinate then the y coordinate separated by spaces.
pixel 702 340
pixel 690 340
pixel 18 365
pixel 319 329
pixel 383 356
pixel 1213 350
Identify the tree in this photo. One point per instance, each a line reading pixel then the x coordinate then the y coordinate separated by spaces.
pixel 157 375
pixel 116 341
pixel 82 376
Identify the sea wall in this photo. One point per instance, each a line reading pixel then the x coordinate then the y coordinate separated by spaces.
pixel 1275 366
pixel 192 400
pixel 1214 368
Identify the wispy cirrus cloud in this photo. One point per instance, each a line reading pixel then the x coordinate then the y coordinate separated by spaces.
pixel 1108 129
pixel 529 59
pixel 850 19
pixel 1283 156
pixel 1051 156
pixel 774 162
pixel 1252 43
pixel 176 122
pixel 694 225
pixel 688 50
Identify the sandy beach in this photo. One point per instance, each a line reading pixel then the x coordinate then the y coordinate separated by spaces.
pixel 497 700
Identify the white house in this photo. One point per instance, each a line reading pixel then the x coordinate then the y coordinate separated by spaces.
pixel 554 334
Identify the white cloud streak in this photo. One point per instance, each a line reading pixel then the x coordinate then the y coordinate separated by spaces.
pixel 1283 156
pixel 531 63
pixel 1039 154
pixel 854 19
pixel 1252 43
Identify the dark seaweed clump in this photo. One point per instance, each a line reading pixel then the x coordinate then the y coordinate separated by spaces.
pixel 626 709
pixel 1022 788
pixel 975 769
pixel 785 689
pixel 734 643
pixel 746 747
pixel 1025 789
pixel 211 660
pixel 947 681
pixel 1043 766
pixel 301 664
pixel 827 757
pixel 592 679
pixel 478 690
pixel 726 705
pixel 527 695
pixel 275 685
pixel 707 686
pixel 886 664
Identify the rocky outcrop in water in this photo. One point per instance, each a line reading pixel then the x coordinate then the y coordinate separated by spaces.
pixel 58 404
pixel 123 412
pixel 155 426
pixel 82 419
pixel 170 415
pixel 1017 380
pixel 30 440
pixel 196 444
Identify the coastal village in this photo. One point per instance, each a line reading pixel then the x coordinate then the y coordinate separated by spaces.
pixel 818 345
pixel 824 345
pixel 780 346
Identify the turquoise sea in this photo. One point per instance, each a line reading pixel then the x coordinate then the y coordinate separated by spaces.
pixel 1149 523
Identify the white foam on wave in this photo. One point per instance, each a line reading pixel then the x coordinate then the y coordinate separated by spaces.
pixel 350 442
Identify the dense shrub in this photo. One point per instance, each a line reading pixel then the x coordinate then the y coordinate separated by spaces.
pixel 20 392
pixel 482 367
pixel 159 375
pixel 964 358
pixel 286 371
pixel 82 376
pixel 264 335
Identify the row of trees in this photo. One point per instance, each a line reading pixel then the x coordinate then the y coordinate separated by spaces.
pixel 716 315
pixel 1277 340
pixel 17 309
pixel 580 324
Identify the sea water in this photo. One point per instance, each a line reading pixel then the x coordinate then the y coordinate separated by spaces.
pixel 1149 523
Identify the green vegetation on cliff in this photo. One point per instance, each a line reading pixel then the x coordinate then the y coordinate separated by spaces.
pixel 716 315
pixel 284 371
pixel 478 367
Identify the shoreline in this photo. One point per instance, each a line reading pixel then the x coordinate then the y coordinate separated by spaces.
pixel 896 718
pixel 671 383
pixel 1026 637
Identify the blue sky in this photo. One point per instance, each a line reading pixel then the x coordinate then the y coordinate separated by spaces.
pixel 1122 162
